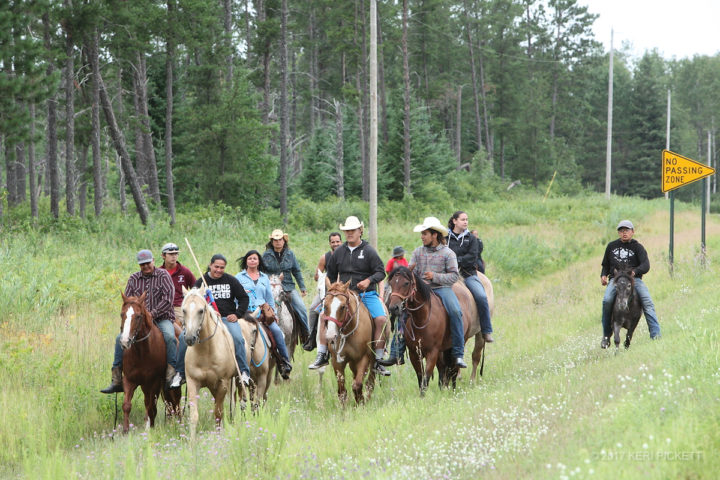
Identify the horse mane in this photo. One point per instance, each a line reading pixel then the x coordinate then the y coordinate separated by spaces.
pixel 421 285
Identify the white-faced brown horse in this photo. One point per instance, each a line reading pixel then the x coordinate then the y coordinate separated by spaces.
pixel 144 361
pixel 627 307
pixel 210 362
pixel 349 333
pixel 426 327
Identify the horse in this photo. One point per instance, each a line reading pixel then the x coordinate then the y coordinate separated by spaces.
pixel 210 362
pixel 144 361
pixel 260 361
pixel 285 316
pixel 426 328
pixel 627 307
pixel 349 333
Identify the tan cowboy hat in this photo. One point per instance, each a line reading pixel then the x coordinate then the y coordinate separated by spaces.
pixel 351 223
pixel 431 223
pixel 277 234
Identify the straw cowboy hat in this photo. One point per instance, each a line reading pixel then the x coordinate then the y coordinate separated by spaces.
pixel 351 223
pixel 431 223
pixel 277 234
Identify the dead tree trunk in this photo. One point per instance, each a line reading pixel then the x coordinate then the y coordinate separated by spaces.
pixel 406 100
pixel 170 58
pixel 339 151
pixel 95 133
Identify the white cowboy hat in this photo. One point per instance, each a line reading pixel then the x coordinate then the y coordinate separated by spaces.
pixel 277 234
pixel 431 223
pixel 351 223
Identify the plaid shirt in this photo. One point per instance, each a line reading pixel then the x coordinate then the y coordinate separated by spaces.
pixel 160 292
pixel 440 260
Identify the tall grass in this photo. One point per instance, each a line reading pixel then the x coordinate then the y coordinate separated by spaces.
pixel 551 404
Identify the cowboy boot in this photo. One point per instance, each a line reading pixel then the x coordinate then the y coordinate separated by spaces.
pixel 285 368
pixel 488 338
pixel 116 385
pixel 311 342
pixel 172 377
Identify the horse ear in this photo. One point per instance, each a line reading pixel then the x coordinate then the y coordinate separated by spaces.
pixel 327 283
pixel 282 276
pixel 185 291
pixel 615 272
pixel 125 298
pixel 143 297
pixel 347 284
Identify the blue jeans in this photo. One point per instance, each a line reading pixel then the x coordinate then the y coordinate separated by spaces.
pixel 238 341
pixel 475 286
pixel 279 340
pixel 299 306
pixel 452 305
pixel 647 304
pixel 168 331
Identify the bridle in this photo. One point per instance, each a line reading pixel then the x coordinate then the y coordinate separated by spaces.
pixel 202 321
pixel 404 306
pixel 345 321
pixel 132 340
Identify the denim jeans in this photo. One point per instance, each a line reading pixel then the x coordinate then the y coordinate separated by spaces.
pixel 238 341
pixel 279 340
pixel 299 306
pixel 452 305
pixel 647 304
pixel 168 330
pixel 475 286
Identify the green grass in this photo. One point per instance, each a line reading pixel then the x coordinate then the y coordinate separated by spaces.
pixel 551 403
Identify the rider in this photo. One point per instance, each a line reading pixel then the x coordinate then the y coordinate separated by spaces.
pixel 466 245
pixel 357 261
pixel 278 258
pixel 622 253
pixel 437 264
pixel 397 260
pixel 232 302
pixel 181 277
pixel 335 241
pixel 159 302
pixel 257 285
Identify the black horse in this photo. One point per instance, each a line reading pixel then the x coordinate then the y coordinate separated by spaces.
pixel 627 307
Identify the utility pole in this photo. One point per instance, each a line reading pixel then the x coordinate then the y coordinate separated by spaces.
pixel 373 144
pixel 608 154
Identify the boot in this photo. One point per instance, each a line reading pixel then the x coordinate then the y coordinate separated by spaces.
pixel 170 375
pixel 488 338
pixel 389 362
pixel 380 369
pixel 311 342
pixel 116 385
pixel 285 368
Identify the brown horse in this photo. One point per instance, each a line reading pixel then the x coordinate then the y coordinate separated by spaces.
pixel 144 361
pixel 349 333
pixel 426 326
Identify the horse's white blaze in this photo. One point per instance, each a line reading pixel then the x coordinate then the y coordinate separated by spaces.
pixel 190 322
pixel 332 329
pixel 125 337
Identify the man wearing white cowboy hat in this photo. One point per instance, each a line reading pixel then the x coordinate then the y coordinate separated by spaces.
pixel 358 262
pixel 437 265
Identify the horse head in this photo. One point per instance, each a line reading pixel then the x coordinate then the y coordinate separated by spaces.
pixel 194 309
pixel 267 313
pixel 135 320
pixel 338 309
pixel 624 288
pixel 405 285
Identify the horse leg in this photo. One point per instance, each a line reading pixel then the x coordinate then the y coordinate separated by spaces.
pixel 431 359
pixel 151 393
pixel 342 391
pixel 219 394
pixel 417 366
pixel 616 328
pixel 192 398
pixel 358 377
pixel 129 391
pixel 477 355
pixel 370 384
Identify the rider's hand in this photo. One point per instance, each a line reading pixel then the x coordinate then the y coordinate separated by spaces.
pixel 428 276
pixel 363 285
pixel 604 280
pixel 303 292
pixel 232 318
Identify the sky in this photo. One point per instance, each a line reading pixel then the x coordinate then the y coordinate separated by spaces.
pixel 677 28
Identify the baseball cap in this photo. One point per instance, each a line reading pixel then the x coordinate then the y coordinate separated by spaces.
pixel 625 224
pixel 170 247
pixel 144 256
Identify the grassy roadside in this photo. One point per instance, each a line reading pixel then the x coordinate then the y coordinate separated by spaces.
pixel 551 401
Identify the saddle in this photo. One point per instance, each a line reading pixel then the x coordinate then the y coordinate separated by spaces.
pixel 267 317
pixel 287 303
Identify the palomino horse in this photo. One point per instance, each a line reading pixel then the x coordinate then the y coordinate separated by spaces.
pixel 210 362
pixel 144 361
pixel 349 332
pixel 260 361
pixel 285 318
pixel 426 328
pixel 627 307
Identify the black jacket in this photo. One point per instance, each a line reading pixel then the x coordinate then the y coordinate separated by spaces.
pixel 229 294
pixel 363 262
pixel 619 255
pixel 467 249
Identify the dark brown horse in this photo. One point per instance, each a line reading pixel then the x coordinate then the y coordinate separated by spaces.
pixel 349 333
pixel 627 307
pixel 426 327
pixel 144 361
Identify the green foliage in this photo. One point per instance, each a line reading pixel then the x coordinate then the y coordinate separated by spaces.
pixel 318 180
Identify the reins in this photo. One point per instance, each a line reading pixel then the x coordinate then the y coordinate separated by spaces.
pixel 404 305
pixel 348 317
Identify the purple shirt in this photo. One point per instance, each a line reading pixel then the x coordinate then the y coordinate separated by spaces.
pixel 160 292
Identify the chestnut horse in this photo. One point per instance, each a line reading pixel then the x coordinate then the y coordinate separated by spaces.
pixel 144 361
pixel 210 362
pixel 426 325
pixel 349 333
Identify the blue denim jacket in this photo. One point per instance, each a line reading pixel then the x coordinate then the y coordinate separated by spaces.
pixel 259 293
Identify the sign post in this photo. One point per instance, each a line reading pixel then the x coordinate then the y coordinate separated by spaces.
pixel 678 171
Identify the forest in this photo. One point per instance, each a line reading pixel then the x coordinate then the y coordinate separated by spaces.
pixel 155 105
